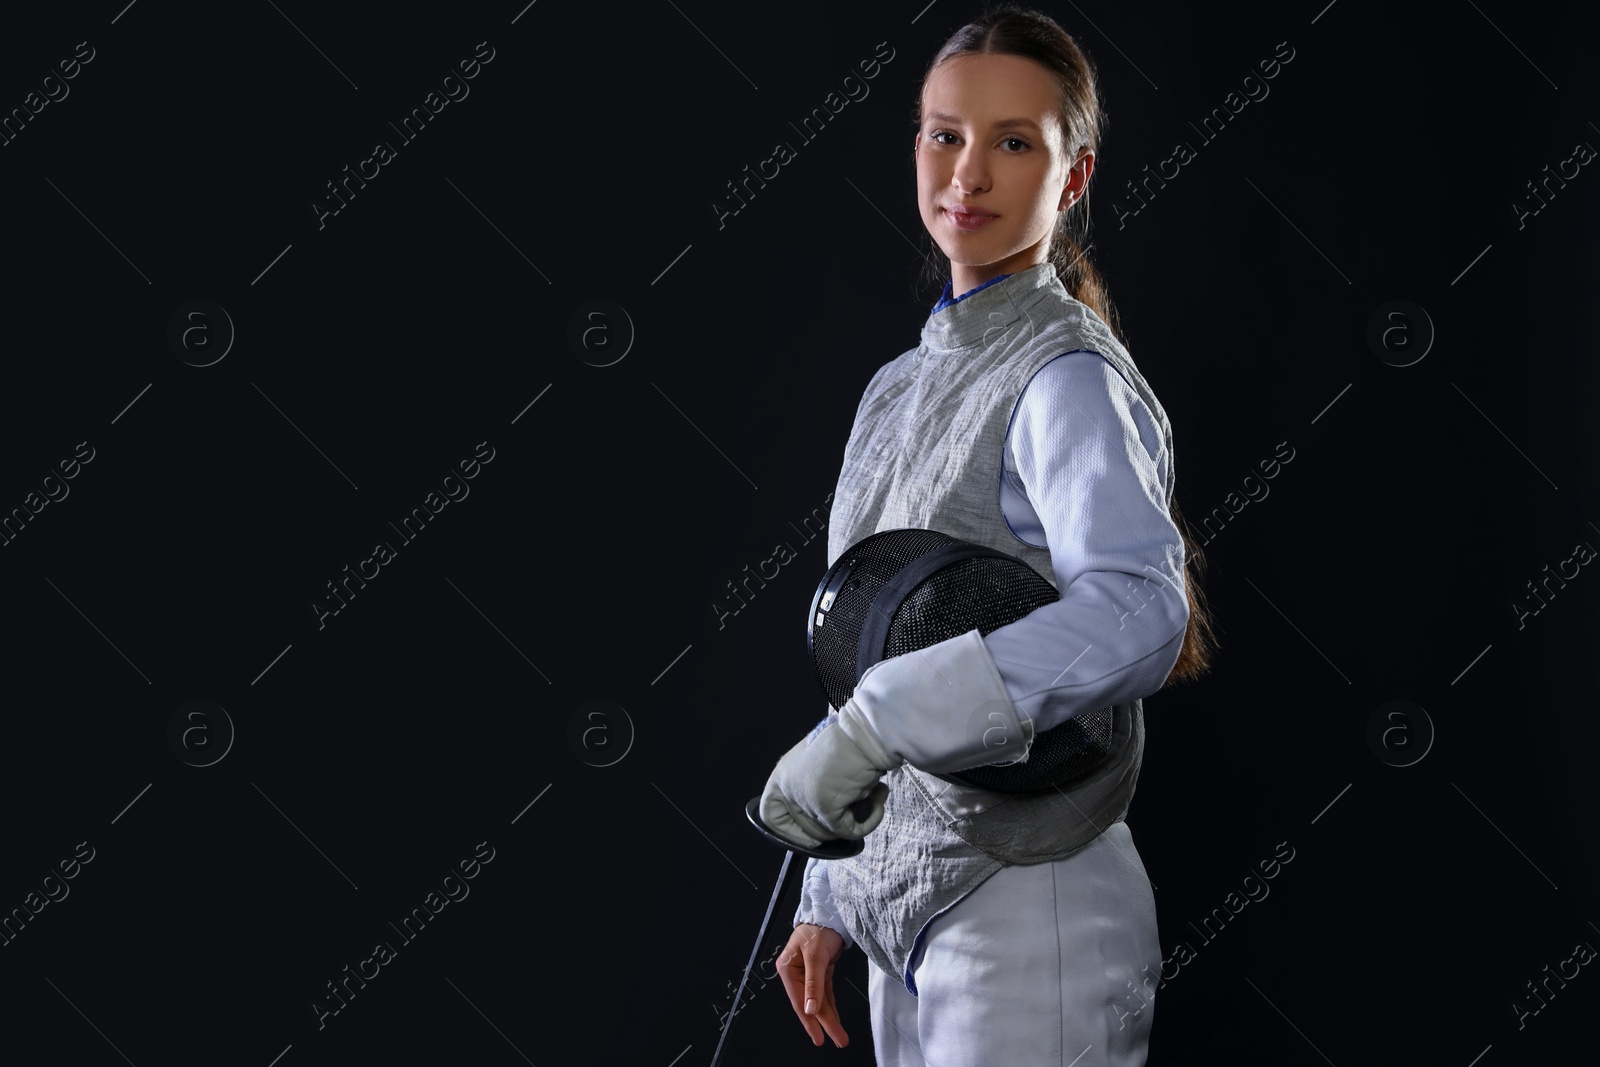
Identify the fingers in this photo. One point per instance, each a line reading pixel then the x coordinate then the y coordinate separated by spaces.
pixel 791 967
pixel 788 819
pixel 806 967
pixel 828 1013
pixel 784 819
pixel 810 790
pixel 859 828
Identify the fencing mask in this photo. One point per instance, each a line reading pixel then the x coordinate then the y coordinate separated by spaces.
pixel 898 591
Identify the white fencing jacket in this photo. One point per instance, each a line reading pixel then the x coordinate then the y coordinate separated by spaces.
pixel 1021 423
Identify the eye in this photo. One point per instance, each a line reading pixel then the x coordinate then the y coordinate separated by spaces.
pixel 937 134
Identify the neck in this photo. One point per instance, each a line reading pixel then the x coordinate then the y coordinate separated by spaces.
pixel 965 277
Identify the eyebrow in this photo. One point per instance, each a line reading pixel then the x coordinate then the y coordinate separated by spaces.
pixel 938 116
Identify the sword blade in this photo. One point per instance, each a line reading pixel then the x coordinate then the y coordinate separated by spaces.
pixel 779 891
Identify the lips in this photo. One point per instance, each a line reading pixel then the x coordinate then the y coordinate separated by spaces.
pixel 961 220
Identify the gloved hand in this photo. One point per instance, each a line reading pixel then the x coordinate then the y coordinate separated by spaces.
pixel 809 794
pixel 941 708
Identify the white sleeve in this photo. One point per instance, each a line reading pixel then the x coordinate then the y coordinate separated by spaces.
pixel 816 900
pixel 816 894
pixel 1086 475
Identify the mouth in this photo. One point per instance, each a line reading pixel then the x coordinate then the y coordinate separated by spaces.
pixel 975 219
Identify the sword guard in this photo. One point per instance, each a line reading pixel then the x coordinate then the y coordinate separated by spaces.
pixel 837 849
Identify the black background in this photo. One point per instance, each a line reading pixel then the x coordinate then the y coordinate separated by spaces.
pixel 433 312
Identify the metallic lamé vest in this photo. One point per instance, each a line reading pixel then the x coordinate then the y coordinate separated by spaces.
pixel 926 451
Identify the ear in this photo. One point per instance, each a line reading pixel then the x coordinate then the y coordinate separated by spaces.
pixel 1086 163
pixel 1077 178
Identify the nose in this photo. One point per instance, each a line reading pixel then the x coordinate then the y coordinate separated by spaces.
pixel 971 171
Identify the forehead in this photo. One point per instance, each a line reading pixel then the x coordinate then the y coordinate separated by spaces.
pixel 983 90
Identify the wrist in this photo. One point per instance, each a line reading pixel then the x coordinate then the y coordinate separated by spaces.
pixel 853 721
pixel 843 937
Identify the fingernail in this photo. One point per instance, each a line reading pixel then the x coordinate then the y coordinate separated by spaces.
pixel 811 1006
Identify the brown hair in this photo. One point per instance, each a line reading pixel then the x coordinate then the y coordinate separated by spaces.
pixel 1012 30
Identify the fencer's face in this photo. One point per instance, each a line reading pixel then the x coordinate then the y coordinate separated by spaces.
pixel 991 140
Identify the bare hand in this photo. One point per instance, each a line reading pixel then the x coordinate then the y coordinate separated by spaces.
pixel 806 967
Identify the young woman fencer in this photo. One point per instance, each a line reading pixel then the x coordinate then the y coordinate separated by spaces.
pixel 1014 929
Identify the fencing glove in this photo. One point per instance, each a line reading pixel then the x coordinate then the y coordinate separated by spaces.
pixel 941 708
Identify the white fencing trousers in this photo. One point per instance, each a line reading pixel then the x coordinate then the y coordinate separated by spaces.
pixel 1043 964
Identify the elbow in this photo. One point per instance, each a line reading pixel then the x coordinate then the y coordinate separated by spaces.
pixel 1160 606
pixel 1171 652
pixel 1176 664
pixel 1164 657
